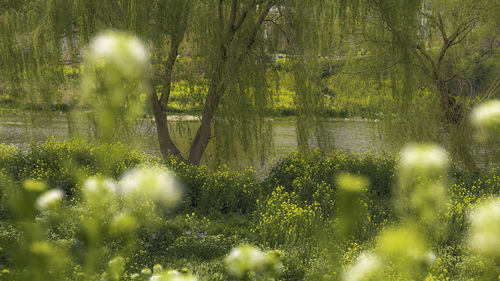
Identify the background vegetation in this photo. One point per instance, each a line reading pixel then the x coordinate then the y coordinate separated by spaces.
pixel 101 211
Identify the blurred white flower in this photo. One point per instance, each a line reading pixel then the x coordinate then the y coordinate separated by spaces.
pixel 431 257
pixel 156 184
pixel 95 186
pixel 49 199
pixel 103 45
pixel 423 160
pixel 485 228
pixel 119 48
pixel 247 258
pixel 146 271
pixel 486 118
pixel 364 267
pixel 138 50
pixel 114 76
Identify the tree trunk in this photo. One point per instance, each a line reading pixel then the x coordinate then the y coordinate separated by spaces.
pixel 159 105
pixel 216 89
pixel 204 132
pixel 167 146
pixel 451 108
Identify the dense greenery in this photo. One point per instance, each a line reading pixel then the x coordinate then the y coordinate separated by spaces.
pixel 218 59
pixel 100 211
pixel 292 210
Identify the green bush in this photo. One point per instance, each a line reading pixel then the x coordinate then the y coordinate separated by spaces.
pixel 229 192
pixel 64 164
pixel 311 176
pixel 281 221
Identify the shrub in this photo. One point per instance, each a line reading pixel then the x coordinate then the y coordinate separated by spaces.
pixel 312 177
pixel 64 164
pixel 281 221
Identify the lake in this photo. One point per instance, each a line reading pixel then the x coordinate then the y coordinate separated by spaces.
pixel 21 129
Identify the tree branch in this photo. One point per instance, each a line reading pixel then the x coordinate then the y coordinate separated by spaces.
pixel 441 27
pixel 232 20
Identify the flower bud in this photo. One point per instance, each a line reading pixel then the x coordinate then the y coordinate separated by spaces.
pixel 157 268
pixel 116 267
pixel 146 271
pixel 352 184
pixel 172 275
pixel 34 185
pixel 351 189
pixel 42 248
pixel 123 224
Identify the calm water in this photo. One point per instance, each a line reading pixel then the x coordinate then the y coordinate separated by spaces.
pixel 22 129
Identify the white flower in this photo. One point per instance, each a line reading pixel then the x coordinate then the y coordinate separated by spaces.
pixel 49 199
pixel 247 258
pixel 137 50
pixel 119 48
pixel 486 118
pixel 155 184
pixel 431 257
pixel 366 264
pixel 116 267
pixel 426 160
pixel 103 45
pixel 157 268
pixel 99 187
pixel 146 271
pixel 485 228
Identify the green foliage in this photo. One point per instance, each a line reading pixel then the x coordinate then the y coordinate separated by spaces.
pixel 64 164
pixel 281 221
pixel 229 192
pixel 293 209
pixel 312 178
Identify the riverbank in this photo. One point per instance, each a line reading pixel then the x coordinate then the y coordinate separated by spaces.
pixel 357 135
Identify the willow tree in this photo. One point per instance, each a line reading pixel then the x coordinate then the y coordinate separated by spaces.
pixel 429 39
pixel 227 40
pixel 430 55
